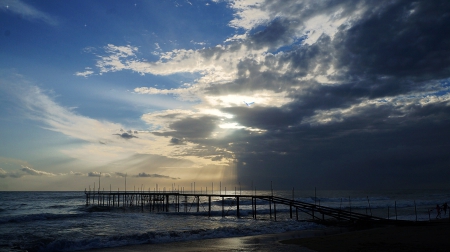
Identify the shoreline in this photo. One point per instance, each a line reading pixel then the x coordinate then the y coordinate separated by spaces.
pixel 263 242
pixel 421 236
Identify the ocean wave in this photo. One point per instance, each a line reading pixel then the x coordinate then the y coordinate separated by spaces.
pixel 57 206
pixel 35 217
pixel 67 244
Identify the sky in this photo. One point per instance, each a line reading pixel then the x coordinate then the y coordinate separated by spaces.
pixel 349 94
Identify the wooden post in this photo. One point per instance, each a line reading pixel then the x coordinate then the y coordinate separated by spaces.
pixel 237 206
pixel 271 187
pixel 415 209
pixel 198 203
pixel 209 205
pixel 223 210
pixel 254 211
pixel 395 205
pixel 369 206
pixel 275 210
pixel 270 207
pixel 167 202
pixel 290 206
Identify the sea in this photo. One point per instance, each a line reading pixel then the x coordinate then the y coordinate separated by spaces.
pixel 62 221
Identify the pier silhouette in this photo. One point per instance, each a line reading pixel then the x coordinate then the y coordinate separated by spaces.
pixel 191 202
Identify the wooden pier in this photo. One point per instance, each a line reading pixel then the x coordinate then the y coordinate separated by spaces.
pixel 181 202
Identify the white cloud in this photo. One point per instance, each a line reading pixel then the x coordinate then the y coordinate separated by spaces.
pixel 34 172
pixel 248 14
pixel 402 104
pixel 101 143
pixel 113 62
pixel 29 12
pixel 85 73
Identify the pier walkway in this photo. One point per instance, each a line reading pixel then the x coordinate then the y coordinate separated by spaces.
pixel 191 202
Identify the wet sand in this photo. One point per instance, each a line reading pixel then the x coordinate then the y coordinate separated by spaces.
pixel 264 243
pixel 424 236
pixel 427 236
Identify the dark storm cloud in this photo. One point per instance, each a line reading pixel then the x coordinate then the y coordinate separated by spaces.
pixel 377 133
pixel 275 34
pixel 364 151
pixel 175 140
pixel 407 39
pixel 191 128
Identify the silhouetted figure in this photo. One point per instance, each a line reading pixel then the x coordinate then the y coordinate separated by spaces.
pixel 444 207
pixel 438 210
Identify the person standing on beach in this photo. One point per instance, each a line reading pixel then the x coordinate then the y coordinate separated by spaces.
pixel 438 210
pixel 445 208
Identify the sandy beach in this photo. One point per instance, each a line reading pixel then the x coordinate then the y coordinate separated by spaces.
pixel 426 236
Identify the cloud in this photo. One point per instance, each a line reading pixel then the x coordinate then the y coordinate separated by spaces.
pixel 86 73
pixel 126 135
pixel 100 144
pixel 25 171
pixel 113 62
pixel 146 175
pixel 175 140
pixel 33 172
pixel 120 174
pixel 28 12
pixel 356 83
pixel 76 173
pixel 98 174
pixel 347 94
